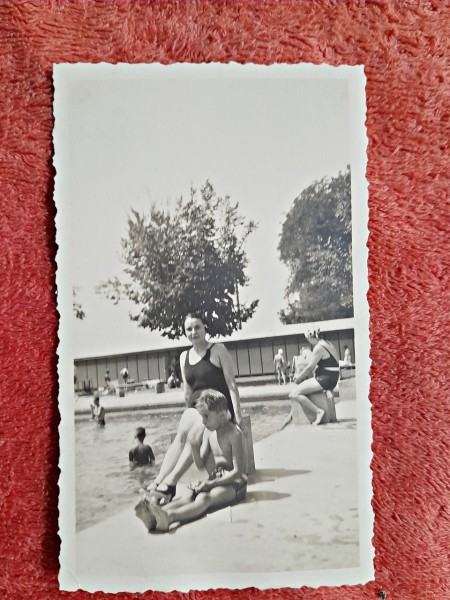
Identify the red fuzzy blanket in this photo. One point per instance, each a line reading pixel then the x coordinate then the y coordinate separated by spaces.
pixel 404 47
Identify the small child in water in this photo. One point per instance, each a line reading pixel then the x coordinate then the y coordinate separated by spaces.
pixel 141 455
pixel 226 484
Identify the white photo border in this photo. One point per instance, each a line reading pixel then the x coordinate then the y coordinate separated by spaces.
pixel 66 74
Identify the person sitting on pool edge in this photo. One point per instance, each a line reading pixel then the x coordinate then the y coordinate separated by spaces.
pixel 321 374
pixel 141 455
pixel 204 366
pixel 226 484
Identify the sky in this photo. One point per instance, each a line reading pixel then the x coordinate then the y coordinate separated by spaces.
pixel 137 136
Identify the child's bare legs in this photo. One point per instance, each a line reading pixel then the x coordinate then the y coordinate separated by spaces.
pixel 145 514
pixel 144 508
pixel 300 395
pixel 193 509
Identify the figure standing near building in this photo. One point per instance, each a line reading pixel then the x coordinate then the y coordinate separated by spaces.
pixel 346 365
pixel 173 381
pixel 97 411
pixel 280 364
pixel 347 361
pixel 141 455
pixel 124 373
pixel 107 380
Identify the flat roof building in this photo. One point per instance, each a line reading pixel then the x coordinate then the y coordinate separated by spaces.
pixel 252 356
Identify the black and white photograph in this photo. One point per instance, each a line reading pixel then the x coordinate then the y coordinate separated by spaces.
pixel 213 358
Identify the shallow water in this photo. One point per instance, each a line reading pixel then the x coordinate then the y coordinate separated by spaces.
pixel 105 484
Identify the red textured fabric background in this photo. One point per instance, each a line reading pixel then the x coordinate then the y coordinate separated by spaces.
pixel 403 46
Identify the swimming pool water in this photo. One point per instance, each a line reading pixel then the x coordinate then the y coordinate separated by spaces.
pixel 105 484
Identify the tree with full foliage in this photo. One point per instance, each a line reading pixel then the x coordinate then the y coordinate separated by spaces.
pixel 190 259
pixel 316 245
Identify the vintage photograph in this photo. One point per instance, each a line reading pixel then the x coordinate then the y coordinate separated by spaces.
pixel 213 342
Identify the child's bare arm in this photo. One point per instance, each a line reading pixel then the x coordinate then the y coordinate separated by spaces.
pixel 237 448
pixel 205 448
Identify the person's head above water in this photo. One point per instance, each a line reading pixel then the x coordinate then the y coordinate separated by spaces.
pixel 97 397
pixel 140 433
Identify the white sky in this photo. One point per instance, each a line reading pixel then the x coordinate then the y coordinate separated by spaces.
pixel 136 139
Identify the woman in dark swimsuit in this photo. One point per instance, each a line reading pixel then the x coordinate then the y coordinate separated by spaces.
pixel 204 366
pixel 320 374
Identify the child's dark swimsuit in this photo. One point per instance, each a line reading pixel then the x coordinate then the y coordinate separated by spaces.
pixel 239 485
pixel 204 375
pixel 327 379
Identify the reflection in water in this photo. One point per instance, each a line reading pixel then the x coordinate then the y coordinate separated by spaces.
pixel 105 484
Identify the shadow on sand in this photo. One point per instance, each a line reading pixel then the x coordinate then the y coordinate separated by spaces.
pixel 272 474
pixel 341 424
pixel 262 496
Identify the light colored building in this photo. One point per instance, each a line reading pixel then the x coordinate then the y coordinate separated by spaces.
pixel 252 357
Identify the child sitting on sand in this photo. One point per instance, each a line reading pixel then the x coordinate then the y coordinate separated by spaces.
pixel 226 484
pixel 141 455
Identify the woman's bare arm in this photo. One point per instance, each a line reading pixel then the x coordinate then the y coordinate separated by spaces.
pixel 187 388
pixel 308 371
pixel 226 364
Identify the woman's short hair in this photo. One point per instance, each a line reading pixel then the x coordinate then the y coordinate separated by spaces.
pixel 195 315
pixel 313 332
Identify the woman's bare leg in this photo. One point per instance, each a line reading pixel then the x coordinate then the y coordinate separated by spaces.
pixel 300 395
pixel 287 420
pixel 305 402
pixel 188 420
pixel 189 454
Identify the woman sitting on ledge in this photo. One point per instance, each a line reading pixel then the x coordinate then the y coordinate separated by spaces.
pixel 320 374
pixel 205 365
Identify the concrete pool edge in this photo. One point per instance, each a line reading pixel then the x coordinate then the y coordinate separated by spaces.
pixel 304 474
pixel 174 398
